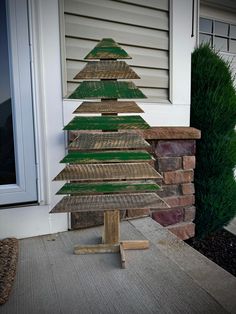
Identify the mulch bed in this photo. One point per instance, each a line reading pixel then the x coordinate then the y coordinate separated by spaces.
pixel 8 263
pixel 220 248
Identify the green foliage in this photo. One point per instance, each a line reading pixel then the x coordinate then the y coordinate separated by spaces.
pixel 213 111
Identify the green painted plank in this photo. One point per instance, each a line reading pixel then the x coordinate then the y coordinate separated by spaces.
pixel 107 123
pixel 107 48
pixel 106 156
pixel 107 90
pixel 109 187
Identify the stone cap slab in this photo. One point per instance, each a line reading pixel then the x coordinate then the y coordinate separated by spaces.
pixel 161 133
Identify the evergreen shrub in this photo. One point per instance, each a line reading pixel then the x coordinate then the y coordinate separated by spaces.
pixel 213 111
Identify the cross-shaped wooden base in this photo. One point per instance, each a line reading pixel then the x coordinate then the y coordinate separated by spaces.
pixel 111 239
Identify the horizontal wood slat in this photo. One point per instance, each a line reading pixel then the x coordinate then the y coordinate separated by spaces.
pixel 109 106
pixel 153 78
pixel 106 89
pixel 108 172
pixel 154 94
pixel 75 157
pixel 108 202
pixel 107 123
pixel 109 187
pixel 108 140
pixel 106 70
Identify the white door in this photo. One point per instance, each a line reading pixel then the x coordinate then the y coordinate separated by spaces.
pixel 17 151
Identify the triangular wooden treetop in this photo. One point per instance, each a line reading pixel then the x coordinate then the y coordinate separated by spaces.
pixel 108 168
pixel 107 48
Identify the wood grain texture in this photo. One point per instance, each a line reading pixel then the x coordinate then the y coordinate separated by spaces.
pixel 96 248
pixel 107 123
pixel 111 231
pixel 108 140
pixel 108 202
pixel 109 106
pixel 106 70
pixel 135 244
pixel 108 172
pixel 107 48
pixel 78 157
pixel 109 187
pixel 107 90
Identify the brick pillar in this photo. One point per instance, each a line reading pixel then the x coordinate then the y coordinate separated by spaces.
pixel 174 149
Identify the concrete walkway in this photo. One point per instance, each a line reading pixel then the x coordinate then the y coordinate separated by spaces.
pixel 169 277
pixel 232 226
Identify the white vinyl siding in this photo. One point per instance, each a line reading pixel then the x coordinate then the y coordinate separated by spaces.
pixel 141 27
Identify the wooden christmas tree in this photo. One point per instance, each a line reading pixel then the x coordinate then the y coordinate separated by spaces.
pixel 108 168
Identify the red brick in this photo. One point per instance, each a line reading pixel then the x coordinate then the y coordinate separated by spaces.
pixel 189 213
pixel 185 200
pixel 189 162
pixel 169 190
pixel 183 230
pixel 168 148
pixel 188 188
pixel 169 163
pixel 169 216
pixel 137 212
pixel 179 176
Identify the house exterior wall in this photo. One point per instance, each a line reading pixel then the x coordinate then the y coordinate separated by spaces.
pixel 52 113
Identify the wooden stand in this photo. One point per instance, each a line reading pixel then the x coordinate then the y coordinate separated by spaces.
pixel 111 239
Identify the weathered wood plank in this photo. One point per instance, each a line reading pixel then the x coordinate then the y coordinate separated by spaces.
pixel 122 256
pixel 111 230
pixel 108 140
pixel 107 123
pixel 106 156
pixel 108 202
pixel 109 187
pixel 107 70
pixel 108 172
pixel 107 48
pixel 135 244
pixel 109 106
pixel 96 248
pixel 107 90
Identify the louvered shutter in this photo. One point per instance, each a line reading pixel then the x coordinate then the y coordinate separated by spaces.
pixel 141 27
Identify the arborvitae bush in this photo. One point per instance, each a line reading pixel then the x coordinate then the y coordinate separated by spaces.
pixel 213 111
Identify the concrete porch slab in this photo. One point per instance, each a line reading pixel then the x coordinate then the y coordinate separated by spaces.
pixel 169 277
